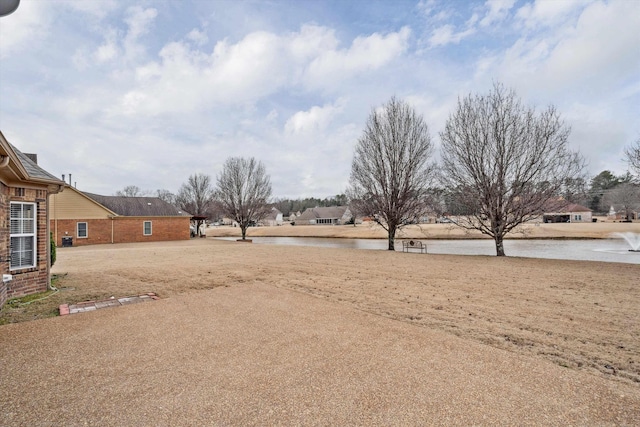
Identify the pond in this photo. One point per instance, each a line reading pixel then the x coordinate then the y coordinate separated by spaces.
pixel 607 250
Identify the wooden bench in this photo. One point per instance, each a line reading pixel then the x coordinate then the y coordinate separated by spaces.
pixel 415 245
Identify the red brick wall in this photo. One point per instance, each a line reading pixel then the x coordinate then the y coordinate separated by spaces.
pixel 162 229
pixel 98 231
pixel 125 230
pixel 4 239
pixel 27 280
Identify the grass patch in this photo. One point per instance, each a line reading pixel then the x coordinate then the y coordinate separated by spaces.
pixel 34 306
pixel 28 299
pixel 46 304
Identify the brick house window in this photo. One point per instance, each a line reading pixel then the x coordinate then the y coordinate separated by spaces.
pixel 146 228
pixel 23 235
pixel 82 231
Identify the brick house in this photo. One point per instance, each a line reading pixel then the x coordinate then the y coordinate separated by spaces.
pixel 25 190
pixel 78 218
pixel 567 212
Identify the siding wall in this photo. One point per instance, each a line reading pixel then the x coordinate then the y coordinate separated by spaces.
pixel 69 204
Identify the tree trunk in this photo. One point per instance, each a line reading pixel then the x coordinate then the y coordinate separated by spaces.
pixel 392 238
pixel 243 228
pixel 499 245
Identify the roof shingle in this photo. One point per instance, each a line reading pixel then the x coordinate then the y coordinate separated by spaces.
pixel 137 206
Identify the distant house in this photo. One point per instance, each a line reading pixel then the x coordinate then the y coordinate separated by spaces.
pixel 293 216
pixel 334 215
pixel 274 218
pixel 25 190
pixel 568 212
pixel 79 218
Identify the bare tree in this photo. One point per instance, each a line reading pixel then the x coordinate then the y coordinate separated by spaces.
pixel 166 196
pixel 633 156
pixel 624 197
pixel 506 162
pixel 390 173
pixel 130 191
pixel 195 195
pixel 243 190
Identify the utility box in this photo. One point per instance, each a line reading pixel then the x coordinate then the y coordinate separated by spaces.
pixel 67 242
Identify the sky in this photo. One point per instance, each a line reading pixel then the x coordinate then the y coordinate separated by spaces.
pixel 146 93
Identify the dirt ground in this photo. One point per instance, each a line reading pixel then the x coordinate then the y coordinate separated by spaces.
pixel 580 316
pixel 583 315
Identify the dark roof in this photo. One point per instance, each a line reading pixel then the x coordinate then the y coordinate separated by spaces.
pixel 137 206
pixel 31 167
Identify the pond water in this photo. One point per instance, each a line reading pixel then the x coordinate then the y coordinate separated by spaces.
pixel 607 250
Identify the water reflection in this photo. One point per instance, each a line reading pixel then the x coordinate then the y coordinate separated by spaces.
pixel 607 250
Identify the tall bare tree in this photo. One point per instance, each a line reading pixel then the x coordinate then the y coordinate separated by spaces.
pixel 166 196
pixel 632 153
pixel 130 191
pixel 624 197
pixel 390 171
pixel 243 190
pixel 195 195
pixel 506 162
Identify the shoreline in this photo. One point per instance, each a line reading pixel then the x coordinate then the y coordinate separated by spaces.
pixel 535 231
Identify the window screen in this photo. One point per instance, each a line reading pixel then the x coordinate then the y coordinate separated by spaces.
pixel 23 235
pixel 82 230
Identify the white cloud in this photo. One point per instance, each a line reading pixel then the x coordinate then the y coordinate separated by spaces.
pixel 446 34
pixel 139 21
pixel 186 79
pixel 365 53
pixel 109 49
pixel 314 120
pixel 497 12
pixel 198 37
pixel 546 13
pixel 589 54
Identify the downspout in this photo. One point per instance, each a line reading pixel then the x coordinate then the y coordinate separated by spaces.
pixel 46 206
pixel 4 161
pixel 48 199
pixel 111 230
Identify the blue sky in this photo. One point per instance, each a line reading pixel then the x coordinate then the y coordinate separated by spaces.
pixel 146 93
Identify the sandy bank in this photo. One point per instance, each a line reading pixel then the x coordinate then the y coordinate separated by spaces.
pixel 598 230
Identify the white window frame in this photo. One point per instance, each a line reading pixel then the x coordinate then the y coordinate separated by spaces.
pixel 144 228
pixel 86 230
pixel 22 234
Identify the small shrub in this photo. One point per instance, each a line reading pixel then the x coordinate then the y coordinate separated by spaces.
pixel 52 243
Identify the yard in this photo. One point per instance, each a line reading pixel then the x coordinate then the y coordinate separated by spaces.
pixel 259 334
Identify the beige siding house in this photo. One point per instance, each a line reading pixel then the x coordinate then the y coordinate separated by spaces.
pixel 333 215
pixel 273 219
